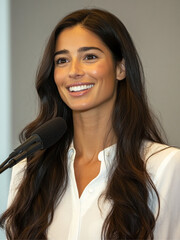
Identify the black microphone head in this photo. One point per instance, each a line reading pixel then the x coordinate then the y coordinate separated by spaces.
pixel 51 131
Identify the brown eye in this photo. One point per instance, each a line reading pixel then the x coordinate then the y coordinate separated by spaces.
pixel 90 57
pixel 60 61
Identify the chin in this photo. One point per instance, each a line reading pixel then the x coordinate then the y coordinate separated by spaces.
pixel 82 108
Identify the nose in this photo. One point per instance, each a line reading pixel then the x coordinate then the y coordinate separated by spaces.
pixel 76 69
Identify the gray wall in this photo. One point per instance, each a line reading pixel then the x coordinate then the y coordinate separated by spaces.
pixel 154 27
pixel 5 99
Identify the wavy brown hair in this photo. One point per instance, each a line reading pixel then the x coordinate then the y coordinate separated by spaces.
pixel 46 176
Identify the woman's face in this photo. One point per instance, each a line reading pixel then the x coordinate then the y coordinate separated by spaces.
pixel 85 73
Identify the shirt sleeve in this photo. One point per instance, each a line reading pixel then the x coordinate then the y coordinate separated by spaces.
pixel 167 181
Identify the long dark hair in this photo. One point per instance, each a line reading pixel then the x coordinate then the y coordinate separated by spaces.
pixel 46 177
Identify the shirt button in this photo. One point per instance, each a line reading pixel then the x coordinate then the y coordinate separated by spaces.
pixel 107 154
pixel 90 190
pixel 71 152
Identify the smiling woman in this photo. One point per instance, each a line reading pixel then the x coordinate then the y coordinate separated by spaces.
pixel 85 72
pixel 111 175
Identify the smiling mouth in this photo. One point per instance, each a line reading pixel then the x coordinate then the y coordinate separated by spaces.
pixel 80 88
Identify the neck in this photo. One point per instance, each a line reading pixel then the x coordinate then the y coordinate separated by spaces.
pixel 92 132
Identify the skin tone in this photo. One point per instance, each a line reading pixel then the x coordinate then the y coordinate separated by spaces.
pixel 86 77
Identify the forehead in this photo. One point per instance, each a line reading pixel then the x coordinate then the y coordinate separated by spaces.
pixel 78 36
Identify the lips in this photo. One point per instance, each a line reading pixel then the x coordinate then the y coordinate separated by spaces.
pixel 80 87
pixel 77 87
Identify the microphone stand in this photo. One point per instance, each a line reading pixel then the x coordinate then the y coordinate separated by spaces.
pixel 11 161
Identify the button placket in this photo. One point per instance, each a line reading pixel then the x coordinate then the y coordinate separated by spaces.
pixel 85 201
pixel 76 213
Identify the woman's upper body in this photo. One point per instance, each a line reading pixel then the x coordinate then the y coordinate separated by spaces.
pixel 79 218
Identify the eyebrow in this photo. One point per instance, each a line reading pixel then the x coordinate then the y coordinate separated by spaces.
pixel 82 49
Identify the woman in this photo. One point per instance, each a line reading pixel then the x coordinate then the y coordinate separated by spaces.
pixel 110 176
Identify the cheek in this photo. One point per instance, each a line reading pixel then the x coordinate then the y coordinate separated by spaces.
pixel 104 71
pixel 99 71
pixel 58 77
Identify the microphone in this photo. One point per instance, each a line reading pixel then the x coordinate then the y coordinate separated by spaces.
pixel 42 138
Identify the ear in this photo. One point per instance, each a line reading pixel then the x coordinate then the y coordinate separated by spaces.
pixel 120 70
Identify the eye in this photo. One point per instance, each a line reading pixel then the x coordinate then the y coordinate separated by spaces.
pixel 61 61
pixel 90 57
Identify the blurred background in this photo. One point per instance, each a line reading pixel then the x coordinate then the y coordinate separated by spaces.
pixel 25 27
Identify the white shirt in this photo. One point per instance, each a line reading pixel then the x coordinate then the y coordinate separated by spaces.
pixel 81 218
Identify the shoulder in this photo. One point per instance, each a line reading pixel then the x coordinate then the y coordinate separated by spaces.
pixel 152 149
pixel 160 159
pixel 163 166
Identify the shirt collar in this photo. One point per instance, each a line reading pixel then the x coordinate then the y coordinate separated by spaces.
pixel 106 155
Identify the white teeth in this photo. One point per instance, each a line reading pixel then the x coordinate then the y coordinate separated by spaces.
pixel 80 88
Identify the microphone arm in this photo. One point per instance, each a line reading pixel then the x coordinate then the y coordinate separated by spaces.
pixel 33 139
pixel 20 156
pixel 44 137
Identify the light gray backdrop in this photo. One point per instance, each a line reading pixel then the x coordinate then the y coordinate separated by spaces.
pixel 154 27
